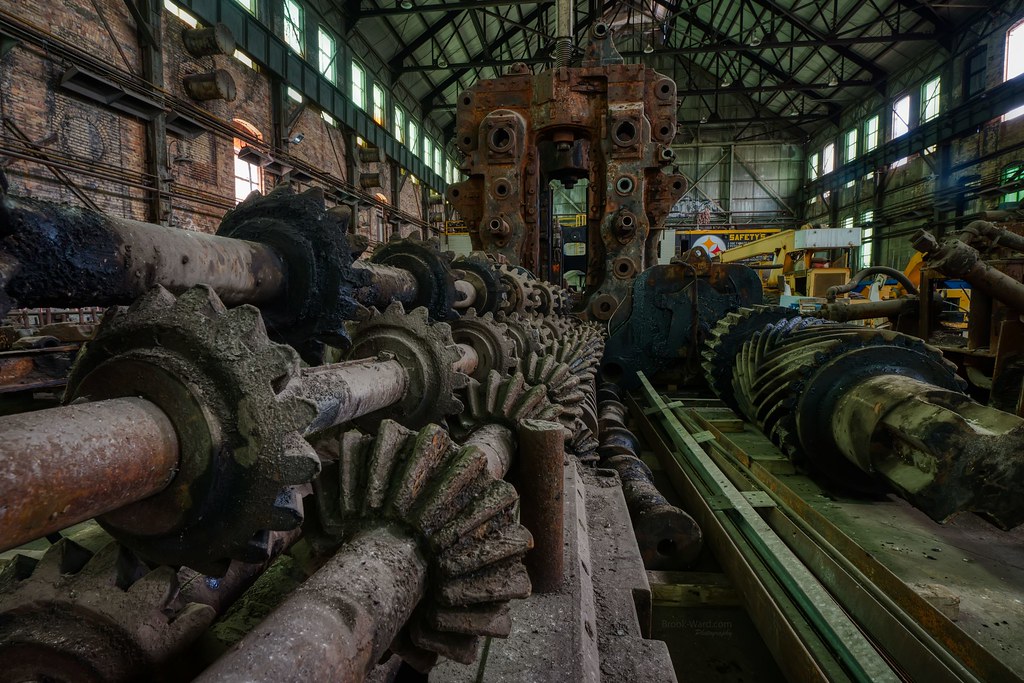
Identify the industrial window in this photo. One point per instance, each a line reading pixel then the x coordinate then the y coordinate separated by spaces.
pixel 866 238
pixel 850 146
pixel 399 124
pixel 871 133
pixel 190 20
pixel 358 85
pixel 847 223
pixel 438 161
pixel 245 59
pixel 249 5
pixel 1014 61
pixel 828 158
pixel 930 99
pixel 293 25
pixel 378 105
pixel 1013 174
pixel 327 52
pixel 412 142
pixel 294 95
pixel 900 117
pixel 812 166
pixel 428 152
pixel 248 176
pixel 975 68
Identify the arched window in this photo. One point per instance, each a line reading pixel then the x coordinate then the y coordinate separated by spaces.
pixel 248 175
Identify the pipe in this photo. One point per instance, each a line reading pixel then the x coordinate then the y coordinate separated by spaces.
pixel 996 236
pixel 835 290
pixel 387 284
pixel 542 484
pixel 345 391
pixel 62 466
pixel 563 33
pixel 907 305
pixel 338 624
pixel 69 256
pixel 953 258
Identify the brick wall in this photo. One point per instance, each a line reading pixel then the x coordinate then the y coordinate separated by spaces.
pixel 102 152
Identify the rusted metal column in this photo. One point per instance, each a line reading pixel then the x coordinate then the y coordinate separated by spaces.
pixel 336 625
pixel 467 292
pixel 497 443
pixel 345 391
pixel 70 257
pixel 387 284
pixel 64 465
pixel 541 472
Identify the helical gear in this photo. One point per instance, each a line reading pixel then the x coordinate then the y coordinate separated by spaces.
pixel 232 396
pixel 427 351
pixel 79 616
pixel 563 387
pixel 466 522
pixel 726 339
pixel 489 338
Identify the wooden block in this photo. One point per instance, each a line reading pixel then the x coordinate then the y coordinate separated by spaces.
pixel 691 589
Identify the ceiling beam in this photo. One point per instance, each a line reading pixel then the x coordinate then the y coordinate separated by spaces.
pixel 394 9
pixel 395 63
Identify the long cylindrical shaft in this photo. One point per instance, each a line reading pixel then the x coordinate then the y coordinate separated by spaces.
pixel 907 305
pixel 497 443
pixel 64 465
pixel 344 391
pixel 541 471
pixel 336 625
pixel 387 284
pixel 66 256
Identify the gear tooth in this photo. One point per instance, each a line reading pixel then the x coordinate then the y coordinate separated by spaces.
pixel 201 300
pixel 244 323
pixel 154 300
pixel 157 588
pixel 389 449
pixel 286 513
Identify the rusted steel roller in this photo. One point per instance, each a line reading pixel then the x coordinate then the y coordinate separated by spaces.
pixel 428 551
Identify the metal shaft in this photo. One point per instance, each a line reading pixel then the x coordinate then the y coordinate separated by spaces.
pixel 541 472
pixel 64 465
pixel 953 258
pixel 468 293
pixel 336 625
pixel 388 284
pixel 497 443
pixel 71 257
pixel 345 391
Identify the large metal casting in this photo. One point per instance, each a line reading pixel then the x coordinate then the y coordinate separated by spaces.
pixel 606 121
pixel 871 409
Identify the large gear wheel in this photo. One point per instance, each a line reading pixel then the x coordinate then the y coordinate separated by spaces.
pixel 79 617
pixel 726 339
pixel 466 520
pixel 522 298
pixel 426 350
pixel 231 395
pixel 319 251
pixel 430 267
pixel 483 275
pixel 505 400
pixel 525 334
pixel 489 338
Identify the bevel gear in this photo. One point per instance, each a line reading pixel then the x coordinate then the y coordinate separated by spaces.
pixel 79 617
pixel 525 334
pixel 467 523
pixel 505 400
pixel 231 395
pixel 489 338
pixel 726 339
pixel 563 387
pixel 426 350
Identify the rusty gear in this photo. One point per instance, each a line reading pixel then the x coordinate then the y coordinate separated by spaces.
pixel 504 400
pixel 231 395
pixel 522 297
pixel 726 339
pixel 483 275
pixel 525 334
pixel 564 390
pixel 489 339
pixel 431 268
pixel 79 616
pixel 427 351
pixel 465 519
pixel 319 252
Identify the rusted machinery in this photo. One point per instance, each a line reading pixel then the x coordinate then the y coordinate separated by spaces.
pixel 607 121
pixel 661 325
pixel 870 409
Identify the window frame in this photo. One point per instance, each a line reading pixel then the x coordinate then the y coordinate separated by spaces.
pixel 872 132
pixel 359 101
pixel 330 70
pixel 828 158
pixel 1012 32
pixel 379 106
pixel 849 156
pixel 1013 171
pixel 398 123
pixel 936 98
pixel 413 139
pixel 299 28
